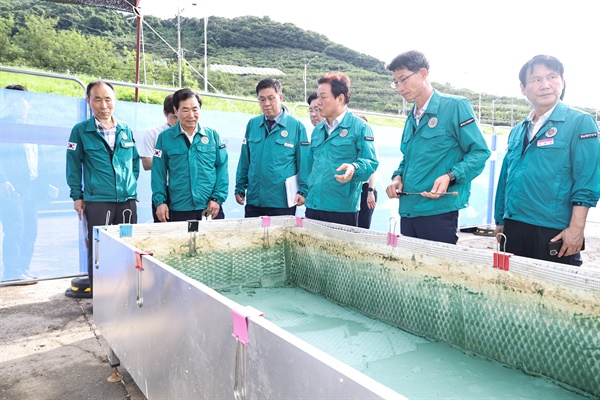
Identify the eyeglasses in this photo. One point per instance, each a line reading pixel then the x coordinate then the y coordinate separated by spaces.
pixel 313 110
pixel 401 82
pixel 269 99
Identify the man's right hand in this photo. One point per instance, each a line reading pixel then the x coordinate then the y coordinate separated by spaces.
pixel 240 198
pixel 395 188
pixel 79 206
pixel 162 213
pixel 498 232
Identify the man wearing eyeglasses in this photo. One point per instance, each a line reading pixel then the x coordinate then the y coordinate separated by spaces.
pixel 443 150
pixel 550 175
pixel 274 149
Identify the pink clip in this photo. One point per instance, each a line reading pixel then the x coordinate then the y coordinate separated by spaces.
pixel 266 221
pixel 392 240
pixel 299 221
pixel 138 258
pixel 240 323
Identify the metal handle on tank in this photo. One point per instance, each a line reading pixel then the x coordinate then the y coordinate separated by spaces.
pixel 139 298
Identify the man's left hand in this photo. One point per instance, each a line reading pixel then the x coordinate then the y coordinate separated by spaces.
pixel 299 200
pixel 214 208
pixel 371 203
pixel 572 238
pixel 347 175
pixel 440 185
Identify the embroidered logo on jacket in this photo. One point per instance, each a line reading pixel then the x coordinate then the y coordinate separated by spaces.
pixel 71 146
pixel 157 153
pixel 551 132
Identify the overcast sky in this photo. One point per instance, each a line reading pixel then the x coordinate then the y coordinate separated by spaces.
pixel 471 44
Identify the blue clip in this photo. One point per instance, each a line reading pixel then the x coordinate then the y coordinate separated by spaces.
pixel 96 229
pixel 125 230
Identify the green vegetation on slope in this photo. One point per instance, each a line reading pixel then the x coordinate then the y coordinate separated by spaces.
pixel 94 42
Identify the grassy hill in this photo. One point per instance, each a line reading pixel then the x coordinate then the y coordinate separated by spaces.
pixel 94 42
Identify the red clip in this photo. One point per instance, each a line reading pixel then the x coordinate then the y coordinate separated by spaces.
pixel 502 261
pixel 266 221
pixel 138 258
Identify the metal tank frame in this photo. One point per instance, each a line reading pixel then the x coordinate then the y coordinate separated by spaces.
pixel 174 333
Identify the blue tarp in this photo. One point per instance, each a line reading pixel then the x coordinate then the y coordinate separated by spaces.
pixel 49 122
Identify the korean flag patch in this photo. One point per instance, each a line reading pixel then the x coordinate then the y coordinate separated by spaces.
pixel 157 153
pixel 71 146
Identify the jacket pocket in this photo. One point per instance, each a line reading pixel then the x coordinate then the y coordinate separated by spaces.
pixel 435 139
pixel 342 150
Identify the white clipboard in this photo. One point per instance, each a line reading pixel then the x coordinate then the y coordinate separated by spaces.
pixel 291 189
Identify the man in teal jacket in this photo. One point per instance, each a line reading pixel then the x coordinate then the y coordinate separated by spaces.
pixel 192 158
pixel 342 155
pixel 275 148
pixel 550 176
pixel 443 150
pixel 102 166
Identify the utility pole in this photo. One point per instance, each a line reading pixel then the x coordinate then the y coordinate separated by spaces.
pixel 493 110
pixel 179 49
pixel 479 107
pixel 179 45
pixel 304 77
pixel 205 55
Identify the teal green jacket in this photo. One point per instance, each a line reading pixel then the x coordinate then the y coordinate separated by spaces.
pixel 559 168
pixel 108 176
pixel 447 139
pixel 267 159
pixel 351 142
pixel 195 175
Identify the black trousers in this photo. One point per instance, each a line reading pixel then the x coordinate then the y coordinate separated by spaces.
pixel 99 214
pixel 251 211
pixel 191 215
pixel 342 218
pixel 531 241
pixel 365 215
pixel 439 228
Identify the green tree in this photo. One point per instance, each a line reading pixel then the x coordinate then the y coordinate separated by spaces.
pixel 35 42
pixel 6 47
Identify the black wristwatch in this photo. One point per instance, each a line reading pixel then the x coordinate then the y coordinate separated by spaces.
pixel 452 178
pixel 370 189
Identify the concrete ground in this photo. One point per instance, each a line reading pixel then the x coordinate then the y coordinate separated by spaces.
pixel 51 349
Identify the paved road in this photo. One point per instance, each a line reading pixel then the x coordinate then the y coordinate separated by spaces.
pixel 50 348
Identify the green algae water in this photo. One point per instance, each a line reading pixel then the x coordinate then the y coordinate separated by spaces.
pixel 412 366
pixel 348 298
